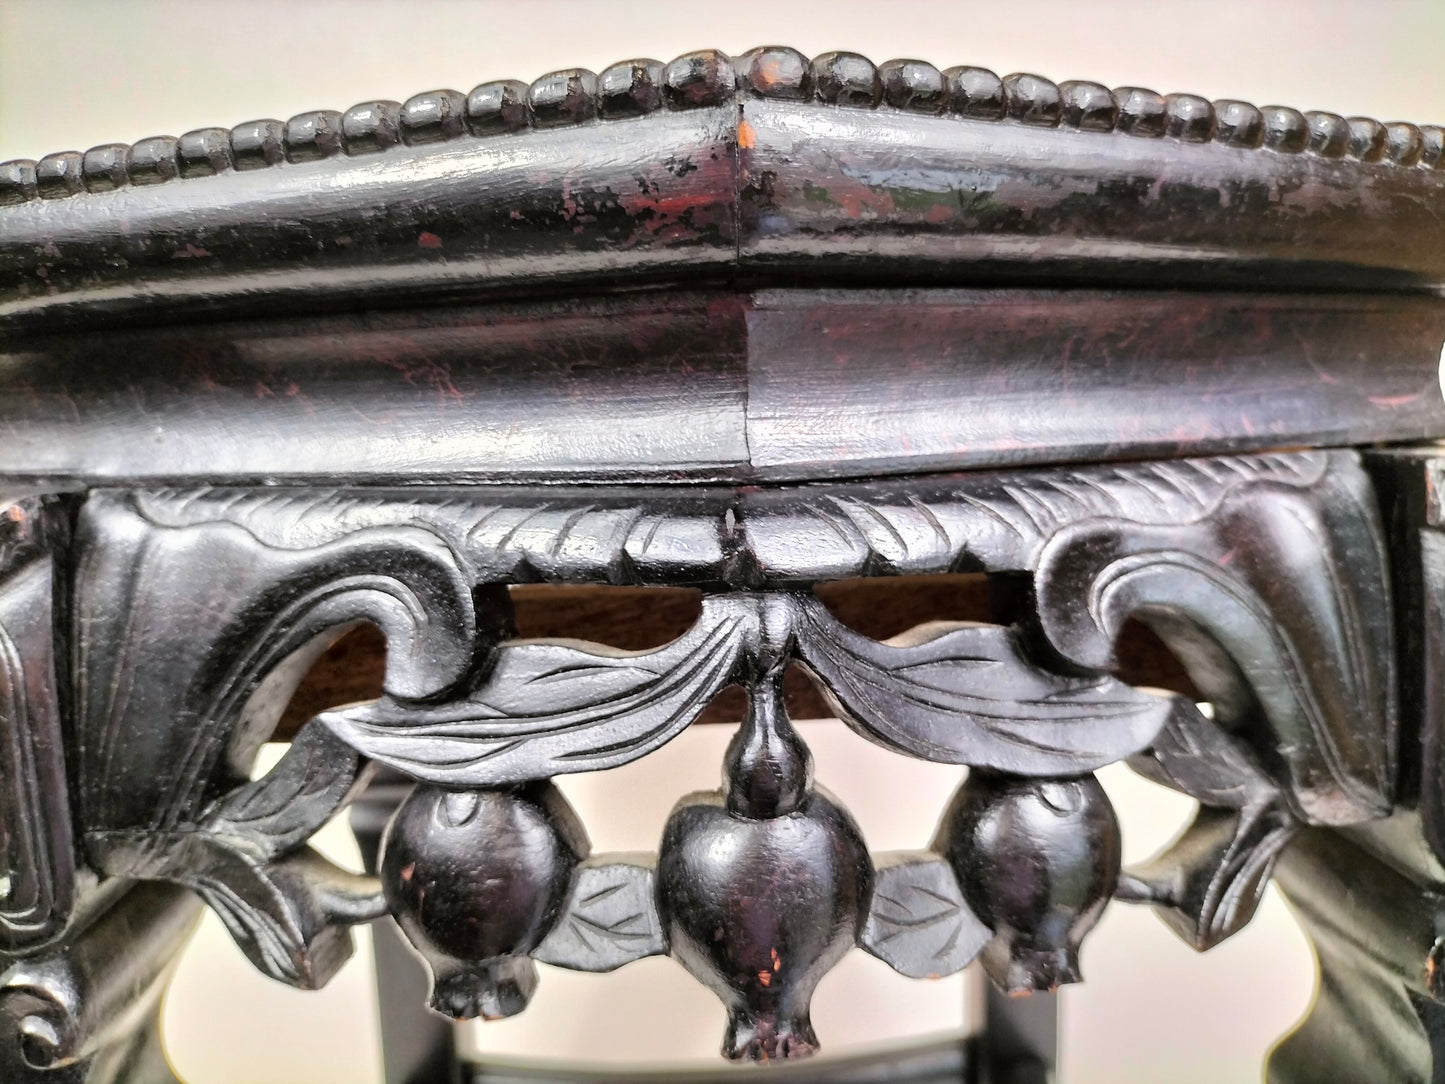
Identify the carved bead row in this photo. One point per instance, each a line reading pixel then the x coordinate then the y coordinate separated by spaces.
pixel 568 97
pixel 978 94
pixel 708 77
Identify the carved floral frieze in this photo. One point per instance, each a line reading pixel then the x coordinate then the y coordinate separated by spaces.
pixel 194 614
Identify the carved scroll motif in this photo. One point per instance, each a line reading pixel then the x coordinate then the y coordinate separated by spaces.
pixel 189 643
pixel 36 844
pixel 202 609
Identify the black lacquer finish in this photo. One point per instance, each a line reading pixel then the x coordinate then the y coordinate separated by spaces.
pixel 759 386
pixel 476 878
pixel 486 868
pixel 702 324
pixel 1037 860
pixel 39 850
pixel 765 163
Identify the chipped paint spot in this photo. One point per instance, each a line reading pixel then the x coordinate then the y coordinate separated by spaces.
pixel 428 239
pixel 1389 402
pixel 747 138
pixel 1432 968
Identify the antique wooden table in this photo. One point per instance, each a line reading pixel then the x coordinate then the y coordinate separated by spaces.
pixel 1151 379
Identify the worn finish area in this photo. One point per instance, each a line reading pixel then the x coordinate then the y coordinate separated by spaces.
pixel 762 165
pixel 477 440
pixel 774 385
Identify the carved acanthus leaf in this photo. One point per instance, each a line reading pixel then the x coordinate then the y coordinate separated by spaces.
pixel 966 694
pixel 548 708
pixel 1292 651
pixel 277 813
pixel 1194 754
pixel 286 906
pixel 610 917
pixel 1207 884
pixel 166 678
pixel 918 922
pixel 289 916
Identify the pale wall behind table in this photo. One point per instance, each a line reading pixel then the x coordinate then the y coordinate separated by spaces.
pixel 76 74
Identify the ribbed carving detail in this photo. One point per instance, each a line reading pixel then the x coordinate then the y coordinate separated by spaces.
pixel 635 88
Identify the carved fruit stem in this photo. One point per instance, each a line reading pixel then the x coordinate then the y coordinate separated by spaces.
pixel 768 770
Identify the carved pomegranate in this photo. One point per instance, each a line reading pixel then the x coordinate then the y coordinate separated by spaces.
pixel 1037 860
pixel 763 886
pixel 476 878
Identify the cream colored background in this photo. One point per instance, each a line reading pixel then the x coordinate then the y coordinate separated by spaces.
pixel 73 74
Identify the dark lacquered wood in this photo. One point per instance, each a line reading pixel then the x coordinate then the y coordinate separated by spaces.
pixel 486 868
pixel 756 342
pixel 475 880
pixel 445 218
pixel 581 389
pixel 933 1061
pixel 36 840
pixel 777 385
pixel 765 164
pixel 868 193
pixel 842 382
pixel 1371 906
pixel 1037 859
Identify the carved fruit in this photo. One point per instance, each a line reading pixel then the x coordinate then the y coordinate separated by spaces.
pixel 763 886
pixel 1037 860
pixel 476 878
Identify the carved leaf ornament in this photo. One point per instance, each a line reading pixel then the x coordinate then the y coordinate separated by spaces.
pixel 544 709
pixel 1235 564
pixel 966 694
pixel 953 694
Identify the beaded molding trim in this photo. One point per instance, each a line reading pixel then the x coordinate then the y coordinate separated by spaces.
pixel 633 88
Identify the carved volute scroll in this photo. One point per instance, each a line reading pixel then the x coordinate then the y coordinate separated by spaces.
pixel 37 859
pixel 202 608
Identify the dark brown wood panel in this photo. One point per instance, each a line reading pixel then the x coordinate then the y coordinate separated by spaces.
pixel 669 387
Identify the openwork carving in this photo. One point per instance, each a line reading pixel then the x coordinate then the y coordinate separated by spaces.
pixel 196 613
pixel 264 384
pixel 36 843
